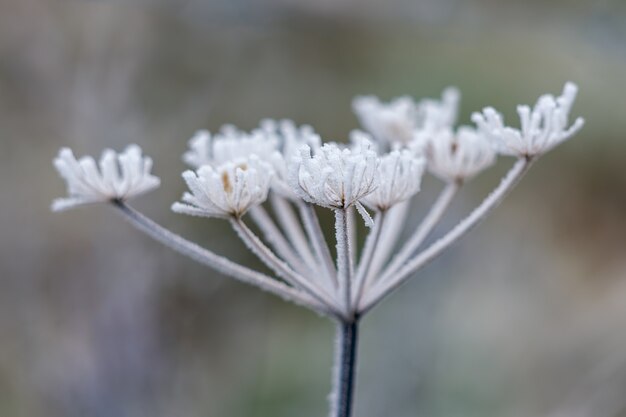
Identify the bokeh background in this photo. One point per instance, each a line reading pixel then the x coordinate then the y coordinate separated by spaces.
pixel 526 316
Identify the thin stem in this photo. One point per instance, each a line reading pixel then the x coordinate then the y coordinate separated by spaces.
pixel 316 236
pixel 394 222
pixel 429 222
pixel 293 229
pixel 216 262
pixel 489 203
pixel 279 267
pixel 344 260
pixel 276 239
pixel 367 256
pixel 345 368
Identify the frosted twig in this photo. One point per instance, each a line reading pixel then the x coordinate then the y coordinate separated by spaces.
pixel 508 182
pixel 293 229
pixel 280 268
pixel 276 239
pixel 389 235
pixel 314 230
pixel 344 261
pixel 216 262
pixel 371 243
pixel 423 230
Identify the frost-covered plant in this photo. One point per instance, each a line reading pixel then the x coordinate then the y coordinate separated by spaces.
pixel 236 173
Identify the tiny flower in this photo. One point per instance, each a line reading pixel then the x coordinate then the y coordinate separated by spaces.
pixel 227 145
pixel 227 190
pixel 457 156
pixel 542 128
pixel 396 122
pixel 389 123
pixel 119 177
pixel 334 178
pixel 439 114
pixel 400 177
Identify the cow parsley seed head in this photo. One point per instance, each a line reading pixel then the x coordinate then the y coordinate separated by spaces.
pixel 542 127
pixel 435 114
pixel 457 156
pixel 399 178
pixel 116 177
pixel 227 190
pixel 229 144
pixel 334 177
pixel 389 123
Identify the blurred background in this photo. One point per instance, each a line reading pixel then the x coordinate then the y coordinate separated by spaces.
pixel 526 316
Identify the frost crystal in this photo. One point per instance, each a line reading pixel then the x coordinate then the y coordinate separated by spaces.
pixel 227 190
pixel 230 143
pixel 458 156
pixel 542 128
pixel 334 177
pixel 118 177
pixel 389 123
pixel 400 177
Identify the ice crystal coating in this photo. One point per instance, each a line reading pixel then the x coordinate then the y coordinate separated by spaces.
pixel 392 122
pixel 542 127
pixel 116 177
pixel 227 190
pixel 396 122
pixel 229 144
pixel 334 178
pixel 457 156
pixel 400 177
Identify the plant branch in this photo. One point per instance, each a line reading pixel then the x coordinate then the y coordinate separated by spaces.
pixel 371 244
pixel 216 262
pixel 280 268
pixel 316 236
pixel 342 397
pixel 479 213
pixel 344 260
pixel 429 222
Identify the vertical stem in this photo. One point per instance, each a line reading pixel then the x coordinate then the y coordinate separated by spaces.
pixel 344 260
pixel 345 368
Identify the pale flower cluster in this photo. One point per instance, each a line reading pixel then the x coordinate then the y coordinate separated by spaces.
pixel 234 172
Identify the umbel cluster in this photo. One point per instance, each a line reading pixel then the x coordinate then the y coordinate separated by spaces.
pixel 234 173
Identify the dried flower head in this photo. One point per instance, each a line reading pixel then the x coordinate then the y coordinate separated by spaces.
pixel 399 178
pixel 229 144
pixel 435 114
pixel 457 156
pixel 118 177
pixel 542 128
pixel 334 177
pixel 227 190
pixel 389 123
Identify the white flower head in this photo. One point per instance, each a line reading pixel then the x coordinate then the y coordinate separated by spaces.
pixel 334 178
pixel 118 177
pixel 289 138
pixel 400 177
pixel 435 114
pixel 457 156
pixel 389 123
pixel 229 144
pixel 542 127
pixel 227 190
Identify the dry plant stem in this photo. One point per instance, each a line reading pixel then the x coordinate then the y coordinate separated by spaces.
pixel 320 246
pixel 342 397
pixel 429 222
pixel 216 262
pixel 371 244
pixel 489 203
pixel 276 239
pixel 394 222
pixel 280 268
pixel 344 260
pixel 293 229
